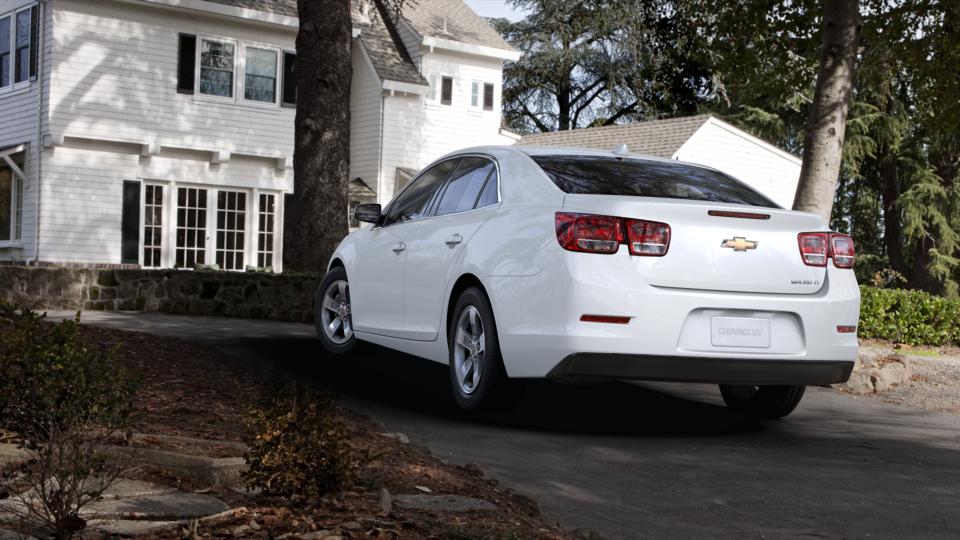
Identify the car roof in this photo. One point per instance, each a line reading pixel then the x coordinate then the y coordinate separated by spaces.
pixel 533 151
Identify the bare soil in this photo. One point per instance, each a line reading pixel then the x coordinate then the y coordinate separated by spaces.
pixel 193 391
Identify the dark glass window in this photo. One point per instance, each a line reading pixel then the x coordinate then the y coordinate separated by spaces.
pixel 23 46
pixel 446 91
pixel 489 195
pixel 414 201
pixel 647 178
pixel 465 185
pixel 487 97
pixel 5 66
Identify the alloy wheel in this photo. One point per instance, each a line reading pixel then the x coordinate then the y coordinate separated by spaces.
pixel 468 350
pixel 335 312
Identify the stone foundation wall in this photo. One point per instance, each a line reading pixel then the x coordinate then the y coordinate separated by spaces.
pixel 282 297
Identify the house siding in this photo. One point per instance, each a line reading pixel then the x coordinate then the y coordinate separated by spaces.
pixel 418 131
pixel 20 111
pixel 365 120
pixel 768 171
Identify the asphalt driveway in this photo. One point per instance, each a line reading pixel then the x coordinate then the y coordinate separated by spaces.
pixel 644 461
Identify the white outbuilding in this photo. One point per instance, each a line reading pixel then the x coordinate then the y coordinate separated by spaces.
pixel 703 139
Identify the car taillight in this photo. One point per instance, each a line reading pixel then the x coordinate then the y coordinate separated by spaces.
pixel 603 234
pixel 842 251
pixel 816 248
pixel 647 238
pixel 592 234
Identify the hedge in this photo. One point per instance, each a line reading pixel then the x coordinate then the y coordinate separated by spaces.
pixel 907 316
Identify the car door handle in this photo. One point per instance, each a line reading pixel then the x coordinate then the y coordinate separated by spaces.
pixel 399 247
pixel 454 240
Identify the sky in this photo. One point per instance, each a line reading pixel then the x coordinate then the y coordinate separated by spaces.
pixel 494 8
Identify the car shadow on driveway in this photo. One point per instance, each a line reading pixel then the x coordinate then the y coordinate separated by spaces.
pixel 392 379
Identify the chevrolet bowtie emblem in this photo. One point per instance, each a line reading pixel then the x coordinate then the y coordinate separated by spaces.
pixel 739 243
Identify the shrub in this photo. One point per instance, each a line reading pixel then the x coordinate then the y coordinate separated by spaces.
pixel 298 444
pixel 63 400
pixel 908 316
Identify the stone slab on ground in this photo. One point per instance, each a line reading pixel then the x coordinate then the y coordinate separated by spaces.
pixel 202 470
pixel 128 527
pixel 9 453
pixel 443 503
pixel 160 507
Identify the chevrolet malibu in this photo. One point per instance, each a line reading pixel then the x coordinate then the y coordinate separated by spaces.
pixel 510 263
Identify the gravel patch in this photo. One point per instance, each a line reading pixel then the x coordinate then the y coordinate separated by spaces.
pixel 934 384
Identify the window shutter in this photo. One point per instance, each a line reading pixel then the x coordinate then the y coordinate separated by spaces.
pixel 487 97
pixel 130 224
pixel 446 91
pixel 34 40
pixel 186 65
pixel 289 85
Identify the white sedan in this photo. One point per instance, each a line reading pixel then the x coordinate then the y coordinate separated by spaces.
pixel 520 262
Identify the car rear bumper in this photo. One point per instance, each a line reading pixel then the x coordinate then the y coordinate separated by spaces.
pixel 579 366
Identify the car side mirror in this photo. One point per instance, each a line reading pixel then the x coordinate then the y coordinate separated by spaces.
pixel 368 213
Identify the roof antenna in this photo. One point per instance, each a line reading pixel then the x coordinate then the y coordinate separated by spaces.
pixel 621 150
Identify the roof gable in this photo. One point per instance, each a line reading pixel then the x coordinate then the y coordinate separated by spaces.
pixel 453 20
pixel 661 138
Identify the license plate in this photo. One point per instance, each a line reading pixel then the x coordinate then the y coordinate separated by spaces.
pixel 740 332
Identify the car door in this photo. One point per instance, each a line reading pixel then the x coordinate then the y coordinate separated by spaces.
pixel 376 291
pixel 467 199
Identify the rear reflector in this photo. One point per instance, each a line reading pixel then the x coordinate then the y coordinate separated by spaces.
pixel 612 319
pixel 743 215
pixel 817 247
pixel 603 234
pixel 846 329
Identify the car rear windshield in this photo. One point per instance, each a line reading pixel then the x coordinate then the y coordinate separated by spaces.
pixel 597 175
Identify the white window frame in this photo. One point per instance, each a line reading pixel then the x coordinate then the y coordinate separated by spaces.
pixel 239 72
pixel 476 95
pixel 164 224
pixel 278 74
pixel 277 222
pixel 19 179
pixel 433 79
pixel 198 69
pixel 12 15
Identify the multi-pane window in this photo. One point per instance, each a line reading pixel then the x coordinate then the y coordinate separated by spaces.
pixel 5 58
pixel 260 75
pixel 11 193
pixel 191 227
pixel 17 46
pixel 231 225
pixel 216 68
pixel 152 226
pixel 266 216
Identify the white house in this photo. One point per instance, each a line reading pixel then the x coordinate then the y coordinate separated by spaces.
pixel 703 139
pixel 159 133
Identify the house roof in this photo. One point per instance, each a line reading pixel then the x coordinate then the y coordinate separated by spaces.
pixel 660 138
pixel 387 54
pixel 453 20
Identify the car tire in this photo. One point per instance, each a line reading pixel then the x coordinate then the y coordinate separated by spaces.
pixel 332 316
pixel 490 388
pixel 763 402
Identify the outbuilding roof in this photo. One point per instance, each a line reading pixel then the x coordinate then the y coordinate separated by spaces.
pixel 660 138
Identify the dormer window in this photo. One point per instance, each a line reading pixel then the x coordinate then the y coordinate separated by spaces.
pixel 216 68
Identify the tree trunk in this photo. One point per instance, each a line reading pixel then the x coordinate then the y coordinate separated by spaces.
pixel 892 225
pixel 823 141
pixel 316 214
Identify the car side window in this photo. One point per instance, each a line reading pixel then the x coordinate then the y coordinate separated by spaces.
pixel 465 185
pixel 414 201
pixel 490 194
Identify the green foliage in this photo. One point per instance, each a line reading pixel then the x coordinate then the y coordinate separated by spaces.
pixel 63 400
pixel 908 316
pixel 298 445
